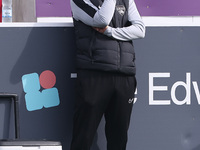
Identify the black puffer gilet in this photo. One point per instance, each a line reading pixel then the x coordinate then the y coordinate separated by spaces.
pixel 97 51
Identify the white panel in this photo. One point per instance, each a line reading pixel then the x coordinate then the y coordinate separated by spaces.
pixel 149 21
pixel 31 148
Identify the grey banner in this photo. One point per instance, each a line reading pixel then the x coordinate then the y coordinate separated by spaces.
pixel 166 111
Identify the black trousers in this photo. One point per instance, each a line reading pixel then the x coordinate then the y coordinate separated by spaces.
pixel 98 94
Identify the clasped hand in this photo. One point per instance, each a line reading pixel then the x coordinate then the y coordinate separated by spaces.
pixel 101 30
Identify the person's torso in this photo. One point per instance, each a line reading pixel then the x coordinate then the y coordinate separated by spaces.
pixel 99 52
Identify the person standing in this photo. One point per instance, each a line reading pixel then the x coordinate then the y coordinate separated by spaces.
pixel 105 57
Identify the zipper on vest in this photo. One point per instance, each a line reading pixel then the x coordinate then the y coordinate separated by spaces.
pixel 118 55
pixel 91 44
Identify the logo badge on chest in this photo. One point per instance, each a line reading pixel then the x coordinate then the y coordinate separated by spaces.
pixel 121 9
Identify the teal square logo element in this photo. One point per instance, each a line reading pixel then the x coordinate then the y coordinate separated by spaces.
pixel 35 98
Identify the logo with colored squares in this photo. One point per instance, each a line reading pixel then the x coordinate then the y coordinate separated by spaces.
pixel 35 97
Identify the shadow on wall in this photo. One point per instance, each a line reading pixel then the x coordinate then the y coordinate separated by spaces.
pixel 197 148
pixel 47 49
